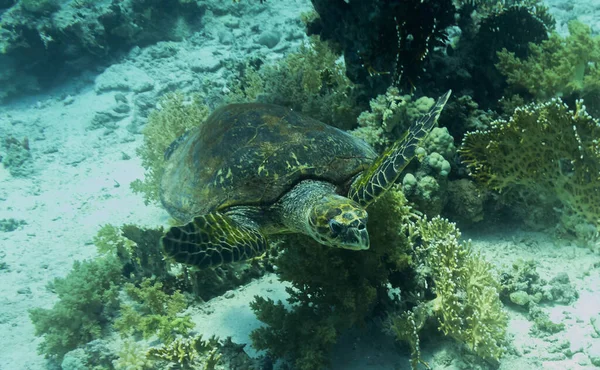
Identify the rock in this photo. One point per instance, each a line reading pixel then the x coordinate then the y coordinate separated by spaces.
pixel 229 294
pixel 561 289
pixel 226 37
pixel 122 108
pixel 68 100
pixel 106 118
pixel 269 39
pixel 203 61
pixel 581 359
pixel 593 352
pixel 25 291
pixel 595 321
pixel 123 77
pixel 120 98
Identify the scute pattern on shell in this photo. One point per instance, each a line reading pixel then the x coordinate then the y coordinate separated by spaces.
pixel 252 154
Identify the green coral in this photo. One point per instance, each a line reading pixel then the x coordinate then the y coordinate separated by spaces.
pixel 405 327
pixel 132 356
pixel 389 117
pixel 558 66
pixel 546 152
pixel 153 312
pixel 109 240
pixel 467 303
pixel 139 251
pixel 177 114
pixel 440 141
pixel 310 81
pixel 333 290
pixel 189 353
pixel 88 297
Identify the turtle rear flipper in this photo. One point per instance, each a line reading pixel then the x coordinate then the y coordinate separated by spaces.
pixel 386 169
pixel 211 240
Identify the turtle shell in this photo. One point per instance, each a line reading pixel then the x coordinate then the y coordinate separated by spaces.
pixel 252 154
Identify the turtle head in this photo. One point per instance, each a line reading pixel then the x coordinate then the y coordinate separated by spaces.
pixel 339 222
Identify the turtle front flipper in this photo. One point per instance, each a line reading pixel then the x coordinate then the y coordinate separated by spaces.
pixel 213 239
pixel 386 169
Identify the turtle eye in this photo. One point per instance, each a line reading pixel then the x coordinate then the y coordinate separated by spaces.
pixel 335 227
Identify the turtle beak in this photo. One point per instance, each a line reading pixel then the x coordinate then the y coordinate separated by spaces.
pixel 356 238
pixel 363 237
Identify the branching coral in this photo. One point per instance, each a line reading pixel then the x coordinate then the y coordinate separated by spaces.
pixel 333 289
pixel 88 297
pixel 177 115
pixel 557 66
pixel 547 150
pixel 189 353
pixel 110 241
pixel 132 356
pixel 467 302
pixel 153 313
pixel 311 81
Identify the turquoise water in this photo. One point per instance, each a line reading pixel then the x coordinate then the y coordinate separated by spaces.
pixel 92 95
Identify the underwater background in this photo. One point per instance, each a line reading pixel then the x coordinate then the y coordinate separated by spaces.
pixel 485 255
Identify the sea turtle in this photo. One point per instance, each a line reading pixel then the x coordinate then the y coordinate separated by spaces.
pixel 253 170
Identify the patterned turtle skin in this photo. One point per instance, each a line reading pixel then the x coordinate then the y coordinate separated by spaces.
pixel 253 170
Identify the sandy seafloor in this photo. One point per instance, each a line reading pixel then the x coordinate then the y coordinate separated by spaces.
pixel 81 181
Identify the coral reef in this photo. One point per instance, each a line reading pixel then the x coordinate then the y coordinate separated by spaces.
pixel 465 202
pixel 69 36
pixel 185 353
pixel 17 158
pixel 466 304
pixel 467 66
pixel 386 122
pixel 333 290
pixel 153 312
pixel 130 290
pixel 94 355
pixel 139 251
pixel 389 117
pixel 546 153
pixel 557 66
pixel 523 287
pixel 176 115
pixel 310 81
pixel 384 42
pixel 189 353
pixel 88 298
pixel 132 355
